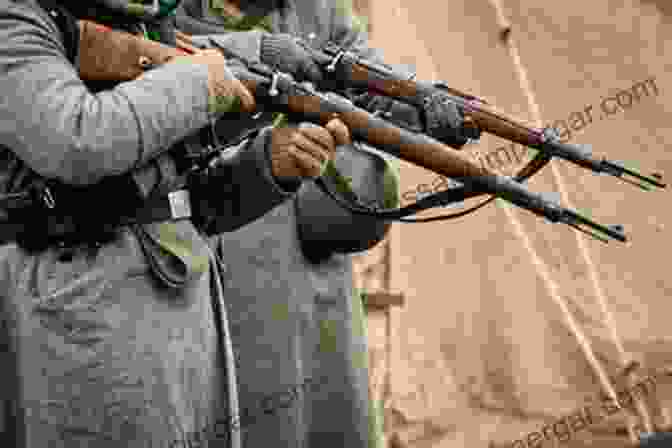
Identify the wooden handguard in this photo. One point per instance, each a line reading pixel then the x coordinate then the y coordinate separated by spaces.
pixel 110 55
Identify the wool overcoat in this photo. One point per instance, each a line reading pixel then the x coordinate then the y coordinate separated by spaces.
pixel 297 326
pixel 98 352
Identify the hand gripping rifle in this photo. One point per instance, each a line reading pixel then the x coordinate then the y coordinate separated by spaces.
pixel 280 92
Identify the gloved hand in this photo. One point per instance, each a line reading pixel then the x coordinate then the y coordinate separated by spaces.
pixel 285 54
pixel 443 122
pixel 223 86
pixel 303 151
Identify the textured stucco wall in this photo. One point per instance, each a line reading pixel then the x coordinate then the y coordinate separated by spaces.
pixel 481 351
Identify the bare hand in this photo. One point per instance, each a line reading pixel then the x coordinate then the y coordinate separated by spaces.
pixel 223 86
pixel 303 151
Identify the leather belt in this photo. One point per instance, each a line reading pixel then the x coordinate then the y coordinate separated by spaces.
pixel 46 229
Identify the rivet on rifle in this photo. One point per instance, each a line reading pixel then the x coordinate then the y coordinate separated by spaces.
pixel 144 61
pixel 505 33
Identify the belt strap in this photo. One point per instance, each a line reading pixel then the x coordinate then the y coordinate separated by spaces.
pixel 175 205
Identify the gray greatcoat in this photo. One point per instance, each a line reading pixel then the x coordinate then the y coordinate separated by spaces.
pixel 297 326
pixel 98 352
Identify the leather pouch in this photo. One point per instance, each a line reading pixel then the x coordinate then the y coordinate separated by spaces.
pixel 324 227
pixel 176 252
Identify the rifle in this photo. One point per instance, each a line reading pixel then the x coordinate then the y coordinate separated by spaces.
pixel 280 92
pixel 349 70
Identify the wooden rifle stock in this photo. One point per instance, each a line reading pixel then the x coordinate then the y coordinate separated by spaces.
pixel 111 55
pixel 418 149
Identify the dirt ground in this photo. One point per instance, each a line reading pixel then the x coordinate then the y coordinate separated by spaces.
pixel 482 353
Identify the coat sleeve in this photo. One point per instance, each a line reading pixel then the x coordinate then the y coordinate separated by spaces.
pixel 242 172
pixel 240 187
pixel 61 130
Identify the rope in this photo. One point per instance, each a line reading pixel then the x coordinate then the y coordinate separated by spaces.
pixel 627 363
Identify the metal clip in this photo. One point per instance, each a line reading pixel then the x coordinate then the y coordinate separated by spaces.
pixel 48 198
pixel 213 135
pixel 336 59
pixel 180 204
pixel 273 91
pixel 143 28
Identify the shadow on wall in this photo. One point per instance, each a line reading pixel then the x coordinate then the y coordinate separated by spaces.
pixel 664 6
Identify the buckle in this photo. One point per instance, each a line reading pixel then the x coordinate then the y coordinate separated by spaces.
pixel 180 204
pixel 48 198
pixel 39 193
pixel 214 139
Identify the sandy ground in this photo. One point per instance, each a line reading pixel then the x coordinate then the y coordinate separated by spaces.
pixel 481 353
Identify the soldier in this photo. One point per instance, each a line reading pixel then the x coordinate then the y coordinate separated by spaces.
pixel 293 312
pixel 114 331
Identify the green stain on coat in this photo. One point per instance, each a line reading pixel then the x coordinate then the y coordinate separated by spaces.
pixel 280 311
pixel 328 337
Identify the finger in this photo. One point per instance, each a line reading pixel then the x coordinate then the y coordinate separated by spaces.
pixel 312 148
pixel 210 52
pixel 182 45
pixel 237 88
pixel 248 104
pixel 307 165
pixel 339 131
pixel 184 37
pixel 316 133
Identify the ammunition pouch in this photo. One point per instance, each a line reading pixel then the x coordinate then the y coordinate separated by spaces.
pixel 324 227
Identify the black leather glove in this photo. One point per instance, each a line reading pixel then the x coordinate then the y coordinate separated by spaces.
pixel 445 122
pixel 285 54
pixel 442 121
